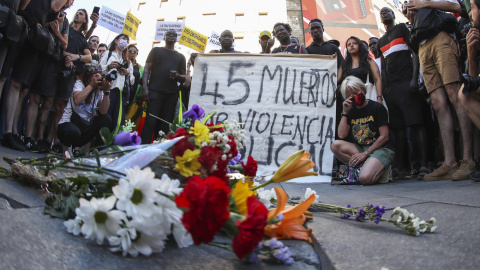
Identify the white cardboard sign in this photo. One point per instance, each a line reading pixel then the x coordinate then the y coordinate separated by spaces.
pixel 286 102
pixel 214 40
pixel 111 19
pixel 163 27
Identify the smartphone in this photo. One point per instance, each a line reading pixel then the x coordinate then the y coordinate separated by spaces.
pixel 96 10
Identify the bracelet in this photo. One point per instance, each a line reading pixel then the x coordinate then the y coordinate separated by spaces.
pixel 380 97
pixel 106 93
pixel 344 115
pixel 188 71
pixel 79 57
pixel 369 153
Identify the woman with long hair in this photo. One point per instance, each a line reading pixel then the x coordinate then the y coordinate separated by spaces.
pixel 359 64
pixel 81 122
pixel 114 61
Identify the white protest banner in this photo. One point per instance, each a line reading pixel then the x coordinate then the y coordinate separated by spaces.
pixel 111 19
pixel 163 27
pixel 286 102
pixel 214 41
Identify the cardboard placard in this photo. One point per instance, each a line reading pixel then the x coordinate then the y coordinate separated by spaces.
pixel 286 102
pixel 111 19
pixel 131 26
pixel 193 39
pixel 163 27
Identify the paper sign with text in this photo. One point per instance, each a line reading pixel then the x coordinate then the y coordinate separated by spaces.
pixel 111 19
pixel 131 26
pixel 214 40
pixel 193 39
pixel 286 102
pixel 163 27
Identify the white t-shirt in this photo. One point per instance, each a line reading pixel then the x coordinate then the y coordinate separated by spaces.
pixel 85 111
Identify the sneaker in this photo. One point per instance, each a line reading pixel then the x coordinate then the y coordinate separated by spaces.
pixel 441 173
pixel 423 171
pixel 399 175
pixel 11 141
pixel 466 168
pixel 43 145
pixel 30 144
pixel 57 148
pixel 475 176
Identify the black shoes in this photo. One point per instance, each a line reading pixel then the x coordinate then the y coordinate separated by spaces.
pixel 13 142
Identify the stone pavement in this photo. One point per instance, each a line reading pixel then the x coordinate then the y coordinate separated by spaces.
pixel 29 239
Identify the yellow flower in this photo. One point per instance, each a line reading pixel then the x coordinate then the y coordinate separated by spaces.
pixel 188 164
pixel 240 194
pixel 200 131
pixel 297 165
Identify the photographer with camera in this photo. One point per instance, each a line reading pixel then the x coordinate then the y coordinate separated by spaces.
pixel 469 95
pixel 114 62
pixel 80 123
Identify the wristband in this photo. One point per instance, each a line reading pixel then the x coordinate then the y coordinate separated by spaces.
pixel 344 115
pixel 79 57
pixel 380 97
pixel 106 93
pixel 369 153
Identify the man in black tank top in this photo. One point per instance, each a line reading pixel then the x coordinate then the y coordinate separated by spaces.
pixel 282 32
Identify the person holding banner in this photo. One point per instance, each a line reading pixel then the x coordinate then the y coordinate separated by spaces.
pixel 165 67
pixel 114 61
pixel 226 40
pixel 283 31
pixel 367 121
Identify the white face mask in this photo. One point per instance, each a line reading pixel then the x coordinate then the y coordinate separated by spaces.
pixel 122 44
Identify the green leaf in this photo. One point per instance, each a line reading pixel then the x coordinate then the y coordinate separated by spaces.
pixel 105 135
pixel 210 115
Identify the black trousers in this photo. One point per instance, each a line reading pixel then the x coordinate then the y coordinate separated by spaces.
pixel 71 135
pixel 163 106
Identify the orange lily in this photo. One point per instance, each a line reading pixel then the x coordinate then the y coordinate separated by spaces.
pixel 293 218
pixel 296 165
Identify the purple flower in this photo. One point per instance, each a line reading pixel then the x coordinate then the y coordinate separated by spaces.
pixel 195 113
pixel 284 255
pixel 253 258
pixel 127 139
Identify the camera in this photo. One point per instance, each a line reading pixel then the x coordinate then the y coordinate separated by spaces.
pixel 110 76
pixel 124 65
pixel 470 83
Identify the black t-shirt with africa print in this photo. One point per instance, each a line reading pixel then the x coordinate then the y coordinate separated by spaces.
pixel 365 122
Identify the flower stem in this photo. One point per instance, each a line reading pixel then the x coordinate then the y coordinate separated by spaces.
pixel 261 185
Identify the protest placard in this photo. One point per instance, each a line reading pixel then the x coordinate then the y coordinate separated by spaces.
pixel 131 26
pixel 193 39
pixel 214 40
pixel 111 19
pixel 163 27
pixel 285 102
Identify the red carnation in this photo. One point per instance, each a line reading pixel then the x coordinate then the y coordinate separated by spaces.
pixel 207 202
pixel 219 129
pixel 221 171
pixel 250 231
pixel 250 169
pixel 233 146
pixel 181 146
pixel 178 133
pixel 209 155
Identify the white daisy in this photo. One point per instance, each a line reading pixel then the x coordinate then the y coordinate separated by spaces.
pixel 123 241
pixel 309 193
pixel 150 239
pixel 168 186
pixel 136 194
pixel 182 236
pixel 265 196
pixel 99 220
pixel 74 226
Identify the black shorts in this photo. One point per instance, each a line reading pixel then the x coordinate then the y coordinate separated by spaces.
pixel 404 107
pixel 65 87
pixel 9 61
pixel 24 64
pixel 46 81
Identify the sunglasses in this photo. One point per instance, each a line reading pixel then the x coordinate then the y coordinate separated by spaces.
pixel 133 51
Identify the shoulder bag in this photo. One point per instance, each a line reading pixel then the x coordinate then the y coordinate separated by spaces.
pixel 428 22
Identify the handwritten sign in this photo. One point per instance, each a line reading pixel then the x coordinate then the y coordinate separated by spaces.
pixel 163 27
pixel 286 102
pixel 111 19
pixel 193 39
pixel 214 40
pixel 131 26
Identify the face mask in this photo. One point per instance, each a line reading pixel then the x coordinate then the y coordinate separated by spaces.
pixel 359 100
pixel 122 44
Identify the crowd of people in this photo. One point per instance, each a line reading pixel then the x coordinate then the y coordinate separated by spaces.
pixel 402 101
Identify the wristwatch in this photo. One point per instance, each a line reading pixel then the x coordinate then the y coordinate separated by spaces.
pixel 106 93
pixel 344 115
